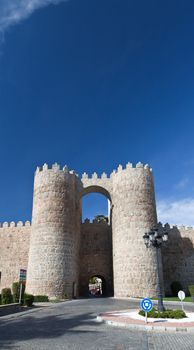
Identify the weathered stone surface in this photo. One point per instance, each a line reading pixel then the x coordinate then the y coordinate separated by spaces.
pixel 134 213
pixel 54 245
pixel 61 254
pixel 96 256
pixel 14 249
pixel 178 257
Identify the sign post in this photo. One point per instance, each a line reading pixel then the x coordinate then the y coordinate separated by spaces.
pixel 146 305
pixel 22 280
pixel 181 296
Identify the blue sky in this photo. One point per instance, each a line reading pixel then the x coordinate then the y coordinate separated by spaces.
pixel 95 84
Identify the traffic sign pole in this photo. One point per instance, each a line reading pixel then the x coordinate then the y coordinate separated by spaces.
pixel 20 298
pixel 181 296
pixel 22 280
pixel 146 305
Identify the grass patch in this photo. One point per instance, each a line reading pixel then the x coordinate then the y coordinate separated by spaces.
pixel 41 298
pixel 187 299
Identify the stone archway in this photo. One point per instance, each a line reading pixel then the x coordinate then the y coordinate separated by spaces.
pixel 100 190
pixel 97 287
pixel 96 248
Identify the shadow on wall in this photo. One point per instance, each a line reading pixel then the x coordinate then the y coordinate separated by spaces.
pixel 178 257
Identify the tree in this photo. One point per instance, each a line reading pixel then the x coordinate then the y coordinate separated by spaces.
pixel 101 218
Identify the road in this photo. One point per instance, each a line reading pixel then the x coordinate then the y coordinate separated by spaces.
pixel 72 325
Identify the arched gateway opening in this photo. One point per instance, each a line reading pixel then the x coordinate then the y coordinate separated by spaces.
pixel 97 286
pixel 96 266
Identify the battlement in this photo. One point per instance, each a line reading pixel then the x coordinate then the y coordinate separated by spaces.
pixel 94 221
pixel 104 176
pixel 55 167
pixel 94 176
pixel 181 228
pixel 14 224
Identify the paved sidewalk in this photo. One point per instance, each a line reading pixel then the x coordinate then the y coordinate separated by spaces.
pixel 28 310
pixel 128 319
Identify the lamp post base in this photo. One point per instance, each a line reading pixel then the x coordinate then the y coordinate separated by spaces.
pixel 160 304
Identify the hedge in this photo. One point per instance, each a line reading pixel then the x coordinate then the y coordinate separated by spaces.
pixel 164 314
pixel 6 296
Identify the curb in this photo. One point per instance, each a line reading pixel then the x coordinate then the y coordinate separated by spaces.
pixel 37 308
pixel 141 327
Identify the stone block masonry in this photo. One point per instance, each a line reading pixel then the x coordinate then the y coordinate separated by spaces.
pixel 14 250
pixel 61 254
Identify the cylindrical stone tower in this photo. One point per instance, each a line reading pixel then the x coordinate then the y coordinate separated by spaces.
pixel 134 213
pixel 54 245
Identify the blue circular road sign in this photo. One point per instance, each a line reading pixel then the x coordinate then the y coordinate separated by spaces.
pixel 146 304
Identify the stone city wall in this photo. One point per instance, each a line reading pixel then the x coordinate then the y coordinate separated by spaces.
pixel 14 249
pixel 178 257
pixel 96 255
pixel 63 253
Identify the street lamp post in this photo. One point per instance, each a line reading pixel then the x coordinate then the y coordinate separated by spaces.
pixel 155 239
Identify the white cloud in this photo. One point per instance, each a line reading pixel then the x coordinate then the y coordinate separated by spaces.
pixel 13 11
pixel 179 212
pixel 183 183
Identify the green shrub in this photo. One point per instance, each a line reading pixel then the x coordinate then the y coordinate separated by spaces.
pixel 164 314
pixel 175 287
pixel 150 313
pixel 0 299
pixel 41 298
pixel 28 299
pixel 6 296
pixel 191 291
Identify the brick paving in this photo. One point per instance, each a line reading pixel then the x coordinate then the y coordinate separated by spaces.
pixel 119 319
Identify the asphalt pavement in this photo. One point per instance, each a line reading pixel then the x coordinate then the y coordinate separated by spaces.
pixel 72 325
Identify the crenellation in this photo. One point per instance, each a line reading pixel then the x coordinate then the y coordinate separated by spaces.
pixel 45 167
pixel 113 173
pixel 146 166
pixel 27 223
pixel 66 169
pixel 55 167
pixel 12 224
pixel 94 176
pixel 38 169
pixel 87 221
pixel 129 165
pixel 85 176
pixel 139 165
pixel 20 224
pixel 104 176
pixel 120 168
